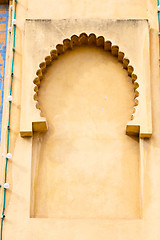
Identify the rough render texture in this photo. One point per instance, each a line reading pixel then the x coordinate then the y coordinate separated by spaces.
pixel 18 224
pixel 85 122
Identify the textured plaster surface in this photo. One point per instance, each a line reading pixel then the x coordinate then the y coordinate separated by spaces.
pixel 78 172
pixel 18 224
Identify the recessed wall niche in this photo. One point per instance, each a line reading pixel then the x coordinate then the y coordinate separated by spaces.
pixel 84 165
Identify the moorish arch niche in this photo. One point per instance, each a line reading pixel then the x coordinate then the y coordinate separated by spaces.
pixel 85 165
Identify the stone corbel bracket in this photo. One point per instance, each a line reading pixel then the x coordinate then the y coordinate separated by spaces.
pixel 140 123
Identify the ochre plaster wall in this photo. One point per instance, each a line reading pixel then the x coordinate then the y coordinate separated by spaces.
pixel 18 224
pixel 87 98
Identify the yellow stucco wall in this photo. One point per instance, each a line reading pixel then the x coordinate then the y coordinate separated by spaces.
pixel 78 165
pixel 33 43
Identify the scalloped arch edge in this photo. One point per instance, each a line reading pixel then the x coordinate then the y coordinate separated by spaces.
pixel 132 128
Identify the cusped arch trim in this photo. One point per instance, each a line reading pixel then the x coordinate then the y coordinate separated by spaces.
pixel 133 126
